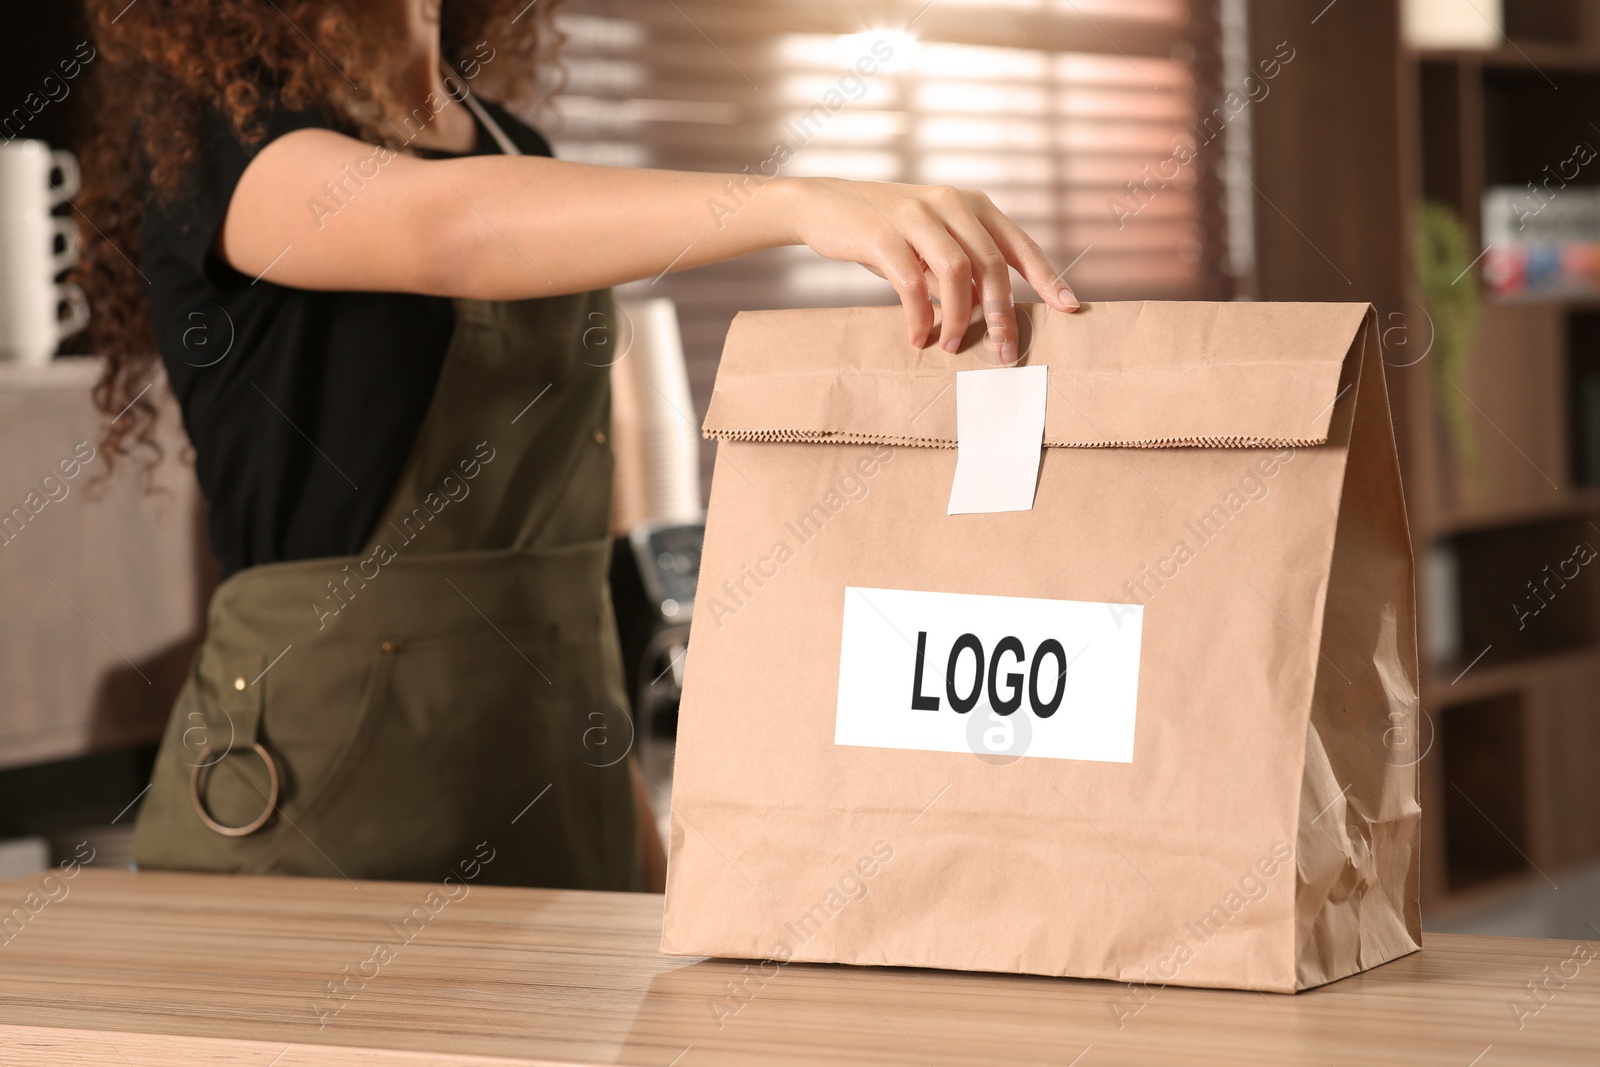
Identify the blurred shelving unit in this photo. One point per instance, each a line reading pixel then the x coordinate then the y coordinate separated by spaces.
pixel 1513 796
pixel 1511 639
pixel 1514 791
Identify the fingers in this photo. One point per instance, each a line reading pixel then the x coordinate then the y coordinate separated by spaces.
pixel 896 262
pixel 958 245
pixel 947 262
pixel 991 274
pixel 1024 253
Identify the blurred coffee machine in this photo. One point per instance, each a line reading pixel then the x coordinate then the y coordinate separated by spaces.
pixel 656 517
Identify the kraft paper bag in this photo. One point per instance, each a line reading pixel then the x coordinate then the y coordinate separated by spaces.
pixel 1151 729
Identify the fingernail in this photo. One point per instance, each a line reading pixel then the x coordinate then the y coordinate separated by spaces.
pixel 1066 297
pixel 952 345
pixel 994 339
pixel 1008 352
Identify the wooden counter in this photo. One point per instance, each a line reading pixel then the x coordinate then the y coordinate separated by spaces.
pixel 162 969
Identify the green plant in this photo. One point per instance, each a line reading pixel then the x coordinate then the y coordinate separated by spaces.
pixel 1444 261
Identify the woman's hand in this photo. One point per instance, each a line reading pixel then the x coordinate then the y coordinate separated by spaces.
pixel 929 240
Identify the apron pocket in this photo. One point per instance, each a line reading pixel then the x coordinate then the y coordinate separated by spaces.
pixel 467 745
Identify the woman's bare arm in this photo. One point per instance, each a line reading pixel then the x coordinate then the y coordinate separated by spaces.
pixel 318 210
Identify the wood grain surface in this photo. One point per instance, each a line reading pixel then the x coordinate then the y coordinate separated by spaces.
pixel 156 968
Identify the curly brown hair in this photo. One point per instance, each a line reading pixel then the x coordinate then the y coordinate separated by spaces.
pixel 163 63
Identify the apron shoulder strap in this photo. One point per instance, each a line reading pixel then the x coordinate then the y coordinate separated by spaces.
pixel 507 145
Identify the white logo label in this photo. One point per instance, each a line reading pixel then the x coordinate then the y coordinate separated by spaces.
pixel 1001 675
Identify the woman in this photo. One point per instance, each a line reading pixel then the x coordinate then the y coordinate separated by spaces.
pixel 373 293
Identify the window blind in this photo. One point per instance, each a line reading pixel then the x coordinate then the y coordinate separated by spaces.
pixel 1071 114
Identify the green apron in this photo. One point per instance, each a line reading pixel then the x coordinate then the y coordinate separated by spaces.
pixel 455 691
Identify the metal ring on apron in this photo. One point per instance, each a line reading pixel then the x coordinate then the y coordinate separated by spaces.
pixel 197 773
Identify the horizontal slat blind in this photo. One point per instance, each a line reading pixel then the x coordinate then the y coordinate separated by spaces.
pixel 1050 106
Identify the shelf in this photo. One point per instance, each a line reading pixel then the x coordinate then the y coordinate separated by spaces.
pixel 1524 55
pixel 1579 502
pixel 1559 302
pixel 1467 682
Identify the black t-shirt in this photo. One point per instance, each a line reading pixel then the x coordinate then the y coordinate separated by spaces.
pixel 302 406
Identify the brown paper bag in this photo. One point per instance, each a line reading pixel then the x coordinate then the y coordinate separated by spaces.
pixel 1216 789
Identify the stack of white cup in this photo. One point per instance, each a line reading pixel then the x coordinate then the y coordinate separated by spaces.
pixel 655 435
pixel 36 247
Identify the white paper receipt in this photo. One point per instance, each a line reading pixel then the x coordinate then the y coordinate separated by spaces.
pixel 993 675
pixel 999 436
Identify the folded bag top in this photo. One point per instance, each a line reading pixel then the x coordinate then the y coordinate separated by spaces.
pixel 1136 374
pixel 1161 727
